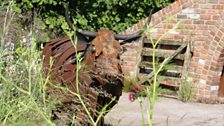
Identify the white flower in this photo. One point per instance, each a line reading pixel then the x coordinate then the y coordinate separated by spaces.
pixel 24 39
pixel 26 62
pixel 11 46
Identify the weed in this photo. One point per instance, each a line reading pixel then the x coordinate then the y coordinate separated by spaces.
pixel 186 91
pixel 152 90
pixel 129 83
pixel 23 99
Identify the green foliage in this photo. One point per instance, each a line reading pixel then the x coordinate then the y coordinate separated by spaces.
pixel 116 15
pixel 164 91
pixel 129 83
pixel 186 91
pixel 23 99
pixel 18 25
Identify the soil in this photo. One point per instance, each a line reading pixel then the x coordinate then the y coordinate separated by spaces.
pixel 167 112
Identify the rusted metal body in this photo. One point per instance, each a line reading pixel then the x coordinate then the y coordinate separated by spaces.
pixel 100 76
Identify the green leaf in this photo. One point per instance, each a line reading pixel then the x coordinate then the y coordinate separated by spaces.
pixel 17 9
pixel 112 14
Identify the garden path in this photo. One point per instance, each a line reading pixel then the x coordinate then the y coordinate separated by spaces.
pixel 168 112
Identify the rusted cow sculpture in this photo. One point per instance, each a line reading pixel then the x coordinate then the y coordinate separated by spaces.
pixel 100 76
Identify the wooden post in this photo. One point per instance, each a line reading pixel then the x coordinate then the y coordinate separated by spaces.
pixel 187 57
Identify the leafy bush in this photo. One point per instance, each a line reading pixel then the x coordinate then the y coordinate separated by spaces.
pixel 116 15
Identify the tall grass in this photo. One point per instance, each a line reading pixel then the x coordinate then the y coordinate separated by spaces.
pixel 23 100
pixel 23 87
pixel 186 91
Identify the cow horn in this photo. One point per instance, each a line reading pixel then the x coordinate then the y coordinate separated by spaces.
pixel 67 19
pixel 128 37
pixel 123 37
pixel 137 34
pixel 88 33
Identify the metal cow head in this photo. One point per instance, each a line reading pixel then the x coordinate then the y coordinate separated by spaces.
pixel 103 79
pixel 100 76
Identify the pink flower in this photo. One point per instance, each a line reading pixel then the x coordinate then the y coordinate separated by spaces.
pixel 137 88
pixel 131 96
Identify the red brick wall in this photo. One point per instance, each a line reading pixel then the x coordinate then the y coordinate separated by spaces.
pixel 201 22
